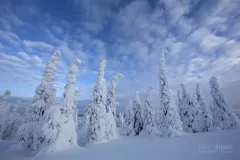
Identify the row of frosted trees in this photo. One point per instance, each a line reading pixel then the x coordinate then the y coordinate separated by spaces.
pixel 48 125
pixel 191 114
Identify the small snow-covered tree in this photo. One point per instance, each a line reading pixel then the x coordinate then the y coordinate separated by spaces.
pixel 87 114
pixel 121 120
pixel 4 98
pixel 44 97
pixel 170 123
pixel 45 93
pixel 129 120
pixel 206 116
pixel 97 120
pixel 190 112
pixel 149 126
pixel 3 107
pixel 179 99
pixel 11 120
pixel 138 116
pixel 111 97
pixel 223 116
pixel 58 128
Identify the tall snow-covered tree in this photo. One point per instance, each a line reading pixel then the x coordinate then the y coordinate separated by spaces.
pixel 206 116
pixel 138 115
pixel 170 123
pixel 111 97
pixel 44 97
pixel 149 125
pixel 129 120
pixel 223 116
pixel 111 129
pixel 45 93
pixel 57 129
pixel 189 112
pixel 97 120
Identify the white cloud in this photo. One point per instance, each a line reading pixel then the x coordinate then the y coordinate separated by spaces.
pixel 38 45
pixel 9 37
pixel 24 56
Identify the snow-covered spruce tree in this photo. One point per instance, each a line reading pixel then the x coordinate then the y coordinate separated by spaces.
pixel 45 93
pixel 87 114
pixel 129 130
pixel 97 120
pixel 149 125
pixel 138 116
pixel 57 129
pixel 4 98
pixel 223 116
pixel 44 97
pixel 111 129
pixel 179 99
pixel 121 120
pixel 190 113
pixel 3 106
pixel 170 123
pixel 11 122
pixel 111 97
pixel 206 116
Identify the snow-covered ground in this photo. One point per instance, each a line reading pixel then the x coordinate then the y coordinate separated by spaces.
pixel 219 145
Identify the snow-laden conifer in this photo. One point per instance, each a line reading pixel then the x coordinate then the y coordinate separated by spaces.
pixel 111 129
pixel 57 130
pixel 111 97
pixel 4 98
pixel 129 120
pixel 223 116
pixel 44 97
pixel 45 93
pixel 179 99
pixel 138 115
pixel 189 112
pixel 3 107
pixel 206 116
pixel 149 125
pixel 121 120
pixel 10 121
pixel 97 121
pixel 170 123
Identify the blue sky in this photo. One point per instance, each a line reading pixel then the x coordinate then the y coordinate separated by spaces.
pixel 202 37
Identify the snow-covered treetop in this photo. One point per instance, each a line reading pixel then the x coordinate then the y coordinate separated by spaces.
pixel 4 98
pixel 183 89
pixel 50 70
pixel 70 91
pixel 100 90
pixel 102 68
pixel 198 93
pixel 115 78
pixel 137 97
pixel 149 95
pixel 214 83
pixel 184 92
pixel 149 92
pixel 72 73
pixel 6 95
pixel 215 89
